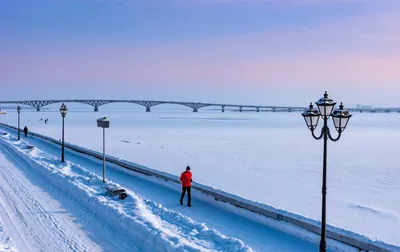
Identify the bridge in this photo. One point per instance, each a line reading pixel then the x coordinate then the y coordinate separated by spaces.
pixel 195 106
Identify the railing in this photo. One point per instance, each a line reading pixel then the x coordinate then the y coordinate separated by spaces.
pixel 345 237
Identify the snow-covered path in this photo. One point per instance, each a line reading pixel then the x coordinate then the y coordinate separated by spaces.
pixel 6 243
pixel 39 217
pixel 162 202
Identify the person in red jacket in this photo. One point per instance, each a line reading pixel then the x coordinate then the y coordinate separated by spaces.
pixel 186 179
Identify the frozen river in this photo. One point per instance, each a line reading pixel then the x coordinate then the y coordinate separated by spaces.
pixel 266 157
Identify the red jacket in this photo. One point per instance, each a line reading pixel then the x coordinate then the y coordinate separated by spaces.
pixel 186 178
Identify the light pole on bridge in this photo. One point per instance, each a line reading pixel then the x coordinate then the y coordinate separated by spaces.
pixel 340 119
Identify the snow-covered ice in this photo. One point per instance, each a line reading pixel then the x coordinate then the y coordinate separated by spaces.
pixel 266 157
pixel 149 225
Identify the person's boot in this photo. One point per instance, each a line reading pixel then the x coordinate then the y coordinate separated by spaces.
pixel 181 202
pixel 189 205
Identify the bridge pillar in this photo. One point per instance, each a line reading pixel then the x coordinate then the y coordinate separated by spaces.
pixel 240 109
pixel 148 109
pixel 96 108
pixel 258 109
pixel 290 110
pixel 223 108
pixel 37 108
pixel 195 110
pixel 273 110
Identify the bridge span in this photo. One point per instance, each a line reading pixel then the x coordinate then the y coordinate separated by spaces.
pixel 195 106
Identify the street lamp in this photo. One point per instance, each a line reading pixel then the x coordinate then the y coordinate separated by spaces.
pixel 63 111
pixel 105 124
pixel 19 111
pixel 340 119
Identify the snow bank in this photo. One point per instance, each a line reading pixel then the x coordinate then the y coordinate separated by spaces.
pixel 294 220
pixel 279 218
pixel 154 227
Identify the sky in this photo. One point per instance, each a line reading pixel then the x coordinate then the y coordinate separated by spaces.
pixel 263 52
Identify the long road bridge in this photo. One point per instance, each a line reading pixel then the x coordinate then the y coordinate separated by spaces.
pixel 193 105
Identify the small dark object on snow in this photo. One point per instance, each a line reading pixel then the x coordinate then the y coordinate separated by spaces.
pixel 117 191
pixel 26 131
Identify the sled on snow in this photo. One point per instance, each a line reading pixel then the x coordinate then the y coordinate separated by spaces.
pixel 117 191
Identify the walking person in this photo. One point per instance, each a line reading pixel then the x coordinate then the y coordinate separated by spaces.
pixel 26 131
pixel 186 179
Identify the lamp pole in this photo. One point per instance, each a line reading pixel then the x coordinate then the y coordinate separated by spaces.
pixel 322 245
pixel 340 119
pixel 104 155
pixel 19 111
pixel 63 112
pixel 62 151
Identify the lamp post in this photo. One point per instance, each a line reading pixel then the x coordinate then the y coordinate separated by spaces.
pixel 105 124
pixel 19 133
pixel 340 119
pixel 63 111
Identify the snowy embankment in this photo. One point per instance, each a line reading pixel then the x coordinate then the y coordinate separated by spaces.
pixel 154 227
pixel 350 237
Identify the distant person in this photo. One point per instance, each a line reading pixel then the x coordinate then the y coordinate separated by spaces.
pixel 186 179
pixel 45 121
pixel 26 131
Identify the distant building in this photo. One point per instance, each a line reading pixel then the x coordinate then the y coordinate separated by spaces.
pixel 359 106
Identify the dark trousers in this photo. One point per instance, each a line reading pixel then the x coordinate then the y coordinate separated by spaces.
pixel 26 133
pixel 184 189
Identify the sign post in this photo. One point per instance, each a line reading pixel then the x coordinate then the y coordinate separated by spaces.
pixel 104 123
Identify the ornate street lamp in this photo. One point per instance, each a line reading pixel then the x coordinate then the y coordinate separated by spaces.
pixel 63 111
pixel 19 133
pixel 340 119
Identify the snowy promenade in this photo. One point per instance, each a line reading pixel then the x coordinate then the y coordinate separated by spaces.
pixel 152 206
pixel 39 217
pixel 263 157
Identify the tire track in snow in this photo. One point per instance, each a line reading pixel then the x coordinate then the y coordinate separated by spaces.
pixel 17 213
pixel 62 239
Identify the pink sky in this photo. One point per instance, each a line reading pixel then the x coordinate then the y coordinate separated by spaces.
pixel 357 53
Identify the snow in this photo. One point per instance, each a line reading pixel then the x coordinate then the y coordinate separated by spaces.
pixel 257 156
pixel 40 217
pixel 6 243
pixel 151 225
